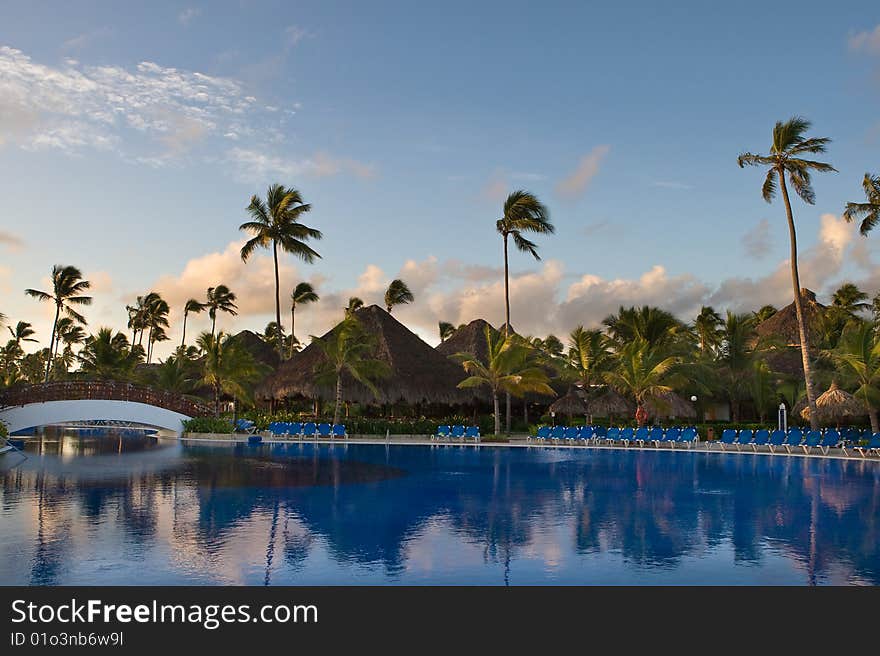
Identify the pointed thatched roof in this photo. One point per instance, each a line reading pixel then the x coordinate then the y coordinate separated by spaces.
pixel 417 372
pixel 783 324
pixel 571 404
pixel 835 404
pixel 670 404
pixel 257 347
pixel 468 339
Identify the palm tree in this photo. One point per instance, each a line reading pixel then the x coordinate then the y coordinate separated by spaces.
pixel 194 306
pixel 220 299
pixel 868 212
pixel 156 311
pixel 70 334
pixel 787 146
pixel 643 372
pixel 858 357
pixel 348 351
pixel 397 294
pixel 523 213
pixel 765 313
pixel 67 288
pixel 655 326
pixel 302 294
pixel 109 355
pixel 706 326
pixel 227 367
pixel 23 333
pixel 175 375
pixel 446 329
pixel 588 356
pixel 275 221
pixel 354 304
pixel 735 361
pixel 509 368
pixel 849 300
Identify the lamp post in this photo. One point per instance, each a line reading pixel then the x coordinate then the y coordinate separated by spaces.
pixel 553 417
pixel 783 418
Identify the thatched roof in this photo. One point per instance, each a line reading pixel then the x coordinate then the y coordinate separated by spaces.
pixel 571 404
pixel 257 347
pixel 609 403
pixel 468 339
pixel 836 403
pixel 783 324
pixel 670 404
pixel 417 372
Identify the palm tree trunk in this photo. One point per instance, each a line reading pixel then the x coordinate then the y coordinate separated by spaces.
pixel 52 340
pixel 338 399
pixel 292 334
pixel 217 400
pixel 497 413
pixel 149 344
pixel 872 415
pixel 278 301
pixel 183 337
pixel 213 323
pixel 506 328
pixel 798 305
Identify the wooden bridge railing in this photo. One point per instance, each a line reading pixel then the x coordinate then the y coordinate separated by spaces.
pixel 106 390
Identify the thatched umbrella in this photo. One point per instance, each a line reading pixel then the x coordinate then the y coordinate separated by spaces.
pixel 836 404
pixel 417 372
pixel 571 404
pixel 670 404
pixel 608 404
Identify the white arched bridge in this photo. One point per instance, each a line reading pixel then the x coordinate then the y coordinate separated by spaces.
pixel 29 406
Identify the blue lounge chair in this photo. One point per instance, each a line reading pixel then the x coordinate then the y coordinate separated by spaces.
pixel 642 435
pixel 830 439
pixel 626 435
pixel 872 448
pixel 656 436
pixel 811 441
pixel 557 433
pixel 795 439
pixel 324 430
pixel 599 433
pixel 441 434
pixel 586 434
pixel 672 435
pixel 245 426
pixel 613 435
pixel 457 433
pixel 744 438
pixel 472 432
pixel 295 429
pixel 762 438
pixel 728 437
pixel 276 428
pixel 338 430
pixel 570 434
pixel 541 434
pixel 310 430
pixel 688 436
pixel 777 439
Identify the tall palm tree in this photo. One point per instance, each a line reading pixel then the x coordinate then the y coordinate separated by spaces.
pixel 868 212
pixel 302 294
pixel 643 372
pixel 67 291
pixel 397 294
pixel 220 299
pixel 348 351
pixel 589 356
pixel 23 332
pixel 194 306
pixel 523 213
pixel 509 368
pixel 156 311
pixel 227 367
pixel 706 326
pixel 446 329
pixel 786 150
pixel 858 357
pixel 69 333
pixel 735 361
pixel 354 304
pixel 275 222
pixel 655 326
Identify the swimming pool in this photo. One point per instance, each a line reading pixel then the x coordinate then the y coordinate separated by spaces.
pixel 146 511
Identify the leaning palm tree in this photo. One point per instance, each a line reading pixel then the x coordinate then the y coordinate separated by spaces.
pixel 220 299
pixel 858 357
pixel 302 294
pixel 868 212
pixel 23 332
pixel 786 150
pixel 348 351
pixel 275 222
pixel 354 304
pixel 643 373
pixel 194 306
pixel 69 333
pixel 67 288
pixel 523 213
pixel 397 294
pixel 509 368
pixel 156 320
pixel 706 326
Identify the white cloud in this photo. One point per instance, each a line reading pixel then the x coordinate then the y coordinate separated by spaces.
pixel 866 41
pixel 757 241
pixel 667 184
pixel 294 34
pixel 188 15
pixel 255 166
pixel 578 181
pixel 86 39
pixel 10 241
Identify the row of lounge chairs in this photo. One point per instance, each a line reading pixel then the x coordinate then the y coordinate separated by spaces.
pixel 626 436
pixel 456 433
pixel 297 430
pixel 795 439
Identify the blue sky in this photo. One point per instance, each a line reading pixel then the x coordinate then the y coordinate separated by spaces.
pixel 132 138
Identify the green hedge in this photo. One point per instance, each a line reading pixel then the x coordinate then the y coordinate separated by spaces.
pixel 207 425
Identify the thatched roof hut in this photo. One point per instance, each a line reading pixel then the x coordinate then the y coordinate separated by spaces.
pixel 836 404
pixel 608 404
pixel 262 351
pixel 468 339
pixel 417 372
pixel 783 324
pixel 670 404
pixel 571 404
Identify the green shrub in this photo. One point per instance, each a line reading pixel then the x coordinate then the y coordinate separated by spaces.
pixel 4 431
pixel 207 425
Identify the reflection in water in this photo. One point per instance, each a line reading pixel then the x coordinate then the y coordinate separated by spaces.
pixel 156 511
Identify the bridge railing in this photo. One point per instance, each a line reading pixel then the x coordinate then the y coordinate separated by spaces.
pixel 106 390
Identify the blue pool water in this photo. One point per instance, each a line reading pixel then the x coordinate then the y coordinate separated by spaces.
pixel 124 511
